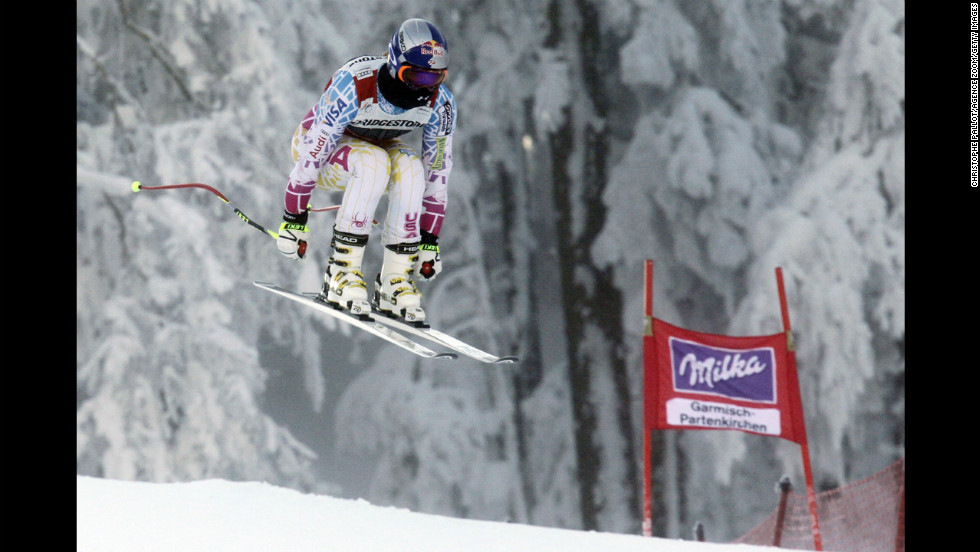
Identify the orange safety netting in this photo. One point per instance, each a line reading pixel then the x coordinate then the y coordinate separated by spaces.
pixel 864 516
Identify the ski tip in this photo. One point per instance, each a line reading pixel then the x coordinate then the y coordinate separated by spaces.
pixel 447 356
pixel 507 360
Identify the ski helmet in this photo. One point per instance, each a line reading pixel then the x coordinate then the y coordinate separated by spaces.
pixel 418 54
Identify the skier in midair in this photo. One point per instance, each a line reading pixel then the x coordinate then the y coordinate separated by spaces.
pixel 351 141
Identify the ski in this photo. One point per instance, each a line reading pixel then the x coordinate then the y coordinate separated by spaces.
pixel 369 325
pixel 448 341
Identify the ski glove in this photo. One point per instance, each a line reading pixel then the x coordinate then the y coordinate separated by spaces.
pixel 292 235
pixel 429 263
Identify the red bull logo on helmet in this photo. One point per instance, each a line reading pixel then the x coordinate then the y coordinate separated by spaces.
pixel 432 48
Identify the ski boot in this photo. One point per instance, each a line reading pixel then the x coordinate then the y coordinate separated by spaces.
pixel 395 294
pixel 344 287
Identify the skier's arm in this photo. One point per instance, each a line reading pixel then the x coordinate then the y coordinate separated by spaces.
pixel 335 110
pixel 324 124
pixel 437 156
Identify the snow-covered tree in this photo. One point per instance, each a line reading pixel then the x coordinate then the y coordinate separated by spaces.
pixel 168 373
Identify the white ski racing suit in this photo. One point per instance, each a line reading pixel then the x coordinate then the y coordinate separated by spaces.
pixel 350 141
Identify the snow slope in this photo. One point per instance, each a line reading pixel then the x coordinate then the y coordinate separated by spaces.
pixel 218 515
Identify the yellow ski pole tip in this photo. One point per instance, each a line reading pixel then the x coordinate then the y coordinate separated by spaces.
pixel 136 185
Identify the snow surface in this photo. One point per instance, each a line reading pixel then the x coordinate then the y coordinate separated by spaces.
pixel 218 515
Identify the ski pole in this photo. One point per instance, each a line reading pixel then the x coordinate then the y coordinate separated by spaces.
pixel 137 186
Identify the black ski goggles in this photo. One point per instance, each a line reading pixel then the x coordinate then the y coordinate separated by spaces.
pixel 420 77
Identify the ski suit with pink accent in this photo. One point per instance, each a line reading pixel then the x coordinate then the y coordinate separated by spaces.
pixel 351 112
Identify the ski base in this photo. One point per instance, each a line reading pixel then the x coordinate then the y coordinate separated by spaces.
pixel 434 335
pixel 364 322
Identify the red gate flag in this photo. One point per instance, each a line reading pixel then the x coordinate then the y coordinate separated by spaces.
pixel 694 380
pixel 707 381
